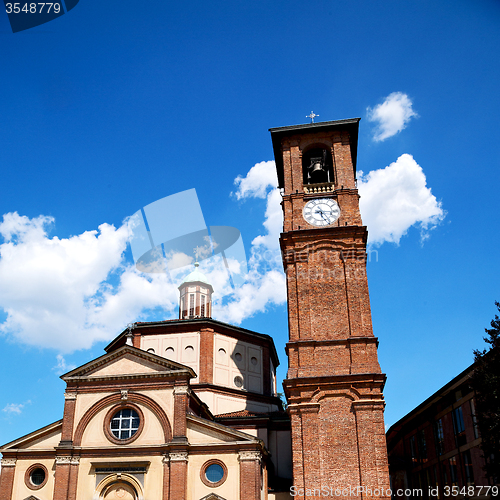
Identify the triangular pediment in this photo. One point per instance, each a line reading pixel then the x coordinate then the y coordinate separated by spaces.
pixel 46 438
pixel 201 431
pixel 128 362
pixel 212 496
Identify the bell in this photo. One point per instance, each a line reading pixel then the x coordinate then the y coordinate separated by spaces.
pixel 316 166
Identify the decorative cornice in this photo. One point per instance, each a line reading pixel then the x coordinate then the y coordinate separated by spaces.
pixel 249 455
pixel 304 408
pixel 368 404
pixel 178 456
pixel 8 462
pixel 69 396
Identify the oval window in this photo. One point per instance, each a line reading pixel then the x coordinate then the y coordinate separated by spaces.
pixel 238 357
pixel 254 361
pixel 238 381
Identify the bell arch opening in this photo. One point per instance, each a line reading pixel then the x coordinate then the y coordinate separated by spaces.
pixel 317 165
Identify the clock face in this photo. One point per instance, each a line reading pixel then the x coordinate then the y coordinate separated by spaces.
pixel 322 212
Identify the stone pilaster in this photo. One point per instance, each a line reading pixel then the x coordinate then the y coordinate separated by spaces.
pixel 250 475
pixel 68 419
pixel 7 478
pixel 181 394
pixel 178 475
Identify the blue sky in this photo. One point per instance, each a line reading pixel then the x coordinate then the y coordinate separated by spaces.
pixel 113 106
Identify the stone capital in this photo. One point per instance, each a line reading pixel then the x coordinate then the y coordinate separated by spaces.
pixel 249 455
pixel 64 460
pixel 178 456
pixel 182 390
pixel 8 462
pixel 69 396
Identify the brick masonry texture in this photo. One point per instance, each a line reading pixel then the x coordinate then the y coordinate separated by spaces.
pixel 334 383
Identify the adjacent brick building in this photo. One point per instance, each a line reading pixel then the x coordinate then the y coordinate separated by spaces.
pixel 437 445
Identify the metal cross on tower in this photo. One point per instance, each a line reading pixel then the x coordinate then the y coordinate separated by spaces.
pixel 312 116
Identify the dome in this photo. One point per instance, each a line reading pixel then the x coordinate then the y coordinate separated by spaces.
pixel 196 275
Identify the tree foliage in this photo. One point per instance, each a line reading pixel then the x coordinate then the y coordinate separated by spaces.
pixel 486 384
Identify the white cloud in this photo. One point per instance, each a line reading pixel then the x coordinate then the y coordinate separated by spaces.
pixel 273 222
pixel 266 283
pixel 69 293
pixel 258 180
pixel 15 409
pixel 391 116
pixel 62 366
pixel 395 198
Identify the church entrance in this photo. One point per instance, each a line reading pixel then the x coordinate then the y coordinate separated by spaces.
pixel 120 491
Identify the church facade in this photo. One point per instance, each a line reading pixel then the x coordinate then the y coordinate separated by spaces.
pixel 188 409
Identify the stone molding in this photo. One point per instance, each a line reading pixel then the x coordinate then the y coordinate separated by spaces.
pixel 69 396
pixel 178 456
pixel 8 462
pixel 249 455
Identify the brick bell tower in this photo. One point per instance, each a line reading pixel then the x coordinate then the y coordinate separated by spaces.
pixel 334 383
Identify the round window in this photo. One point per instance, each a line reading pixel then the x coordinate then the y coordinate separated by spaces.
pixel 213 473
pixel 169 351
pixel 238 357
pixel 238 381
pixel 125 423
pixel 254 361
pixel 222 352
pixel 37 476
pixel 151 350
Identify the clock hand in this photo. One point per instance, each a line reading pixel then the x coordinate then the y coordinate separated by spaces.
pixel 319 211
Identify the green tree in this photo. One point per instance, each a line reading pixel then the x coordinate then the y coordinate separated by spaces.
pixel 486 384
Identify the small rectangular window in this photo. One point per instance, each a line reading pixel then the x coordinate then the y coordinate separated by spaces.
pixel 439 436
pixel 469 473
pixel 191 305
pixel 202 309
pixel 413 450
pixel 453 471
pixel 474 418
pixel 459 426
pixel 422 446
